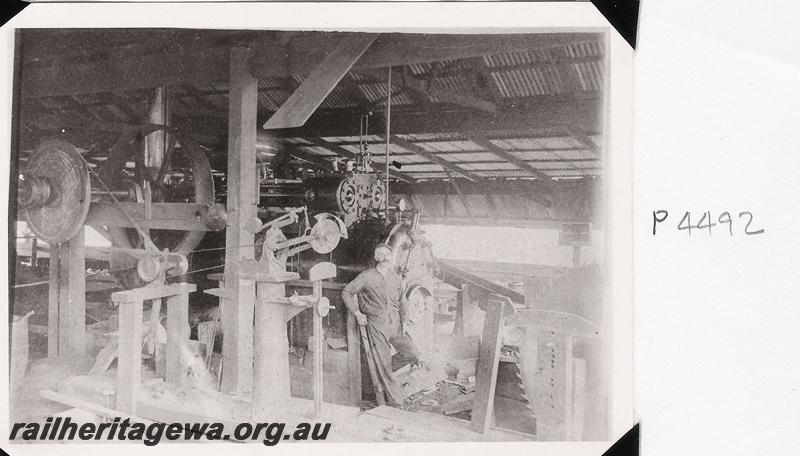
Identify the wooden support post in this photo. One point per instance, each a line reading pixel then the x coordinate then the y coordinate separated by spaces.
pixel 319 353
pixel 486 375
pixel 67 300
pixel 177 335
pixel 237 311
pixel 354 359
pixel 568 388
pixel 271 386
pixel 458 325
pixel 579 398
pixel 53 304
pixel 129 364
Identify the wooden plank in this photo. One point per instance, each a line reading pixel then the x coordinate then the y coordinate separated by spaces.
pixel 353 359
pixel 129 364
pixel 555 321
pixel 91 407
pixel 237 312
pixel 152 292
pixel 165 216
pixel 177 336
pixel 457 277
pixel 307 98
pixel 486 376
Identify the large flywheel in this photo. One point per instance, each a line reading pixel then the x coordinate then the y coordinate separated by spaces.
pixel 182 175
pixel 54 191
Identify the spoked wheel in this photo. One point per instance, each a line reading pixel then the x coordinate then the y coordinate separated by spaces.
pixel 182 176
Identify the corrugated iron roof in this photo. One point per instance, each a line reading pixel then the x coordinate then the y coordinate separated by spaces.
pixel 421 168
pixel 338 99
pixel 555 71
pixel 376 93
pixel 466 157
pixel 554 154
pixel 449 146
pixel 488 166
pixel 549 142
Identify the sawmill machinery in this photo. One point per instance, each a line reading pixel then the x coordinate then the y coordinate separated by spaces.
pixel 58 196
pixel 155 217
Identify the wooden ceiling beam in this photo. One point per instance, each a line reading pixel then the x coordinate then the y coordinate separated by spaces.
pixel 300 55
pixel 154 70
pixel 544 114
pixel 305 100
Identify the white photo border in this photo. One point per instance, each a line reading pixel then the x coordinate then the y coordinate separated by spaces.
pixel 401 17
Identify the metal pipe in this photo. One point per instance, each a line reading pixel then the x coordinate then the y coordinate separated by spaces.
pixel 388 136
pixel 117 193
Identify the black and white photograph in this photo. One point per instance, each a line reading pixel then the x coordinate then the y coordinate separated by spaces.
pixel 383 235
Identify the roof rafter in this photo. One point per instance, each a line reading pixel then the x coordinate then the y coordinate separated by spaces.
pixel 582 138
pixel 510 157
pixel 435 159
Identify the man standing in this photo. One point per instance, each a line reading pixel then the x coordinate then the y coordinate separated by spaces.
pixel 374 297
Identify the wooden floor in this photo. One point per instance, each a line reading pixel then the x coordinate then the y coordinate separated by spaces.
pixel 385 423
pixel 161 402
